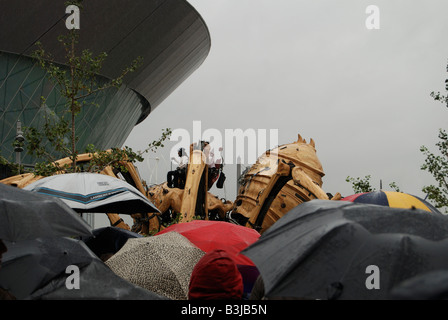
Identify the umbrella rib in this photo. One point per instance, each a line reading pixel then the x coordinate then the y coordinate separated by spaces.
pixel 117 191
pixel 80 197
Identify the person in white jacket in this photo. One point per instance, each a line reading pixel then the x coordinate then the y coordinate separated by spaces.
pixel 174 175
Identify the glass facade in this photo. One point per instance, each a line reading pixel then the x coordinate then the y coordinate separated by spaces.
pixel 22 84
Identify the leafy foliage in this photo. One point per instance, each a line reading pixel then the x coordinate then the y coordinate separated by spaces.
pixel 76 82
pixel 437 164
pixel 361 185
pixel 116 157
pixel 437 96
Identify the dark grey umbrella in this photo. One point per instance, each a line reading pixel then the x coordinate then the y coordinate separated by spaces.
pixel 30 264
pixel 28 215
pixel 36 269
pixel 326 249
pixel 97 282
pixel 108 240
pixel 427 286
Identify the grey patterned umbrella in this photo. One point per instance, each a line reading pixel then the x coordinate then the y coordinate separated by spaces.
pixel 162 264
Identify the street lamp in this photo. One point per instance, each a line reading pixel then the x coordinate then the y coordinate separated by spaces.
pixel 18 142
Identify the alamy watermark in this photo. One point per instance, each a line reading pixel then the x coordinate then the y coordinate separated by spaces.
pixel 73 280
pixel 73 20
pixel 234 145
pixel 373 20
pixel 373 280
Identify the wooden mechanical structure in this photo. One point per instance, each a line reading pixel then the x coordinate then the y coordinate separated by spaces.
pixel 281 179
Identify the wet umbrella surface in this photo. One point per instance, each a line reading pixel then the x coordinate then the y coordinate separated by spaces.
pixel 97 282
pixel 162 264
pixel 431 285
pixel 28 265
pixel 36 269
pixel 326 249
pixel 26 215
pixel 210 235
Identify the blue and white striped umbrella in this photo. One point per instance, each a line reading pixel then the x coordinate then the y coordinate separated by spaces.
pixel 92 192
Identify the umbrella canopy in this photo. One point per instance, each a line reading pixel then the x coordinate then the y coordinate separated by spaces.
pixel 92 192
pixel 26 215
pixel 392 199
pixel 97 282
pixel 36 269
pixel 427 286
pixel 210 235
pixel 108 240
pixel 161 264
pixel 326 249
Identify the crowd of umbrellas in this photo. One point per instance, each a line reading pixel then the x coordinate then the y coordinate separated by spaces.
pixel 372 246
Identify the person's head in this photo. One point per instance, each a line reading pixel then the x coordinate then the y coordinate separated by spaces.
pixel 204 144
pixel 181 152
pixel 207 148
pixel 216 277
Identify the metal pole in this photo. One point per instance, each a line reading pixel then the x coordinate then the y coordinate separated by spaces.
pixel 238 174
pixel 157 169
pixel 18 160
pixel 19 138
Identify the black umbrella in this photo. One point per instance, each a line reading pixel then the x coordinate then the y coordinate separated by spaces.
pixel 326 249
pixel 108 240
pixel 28 215
pixel 30 264
pixel 427 286
pixel 37 269
pixel 97 282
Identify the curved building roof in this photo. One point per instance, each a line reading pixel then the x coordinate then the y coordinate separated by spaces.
pixel 170 35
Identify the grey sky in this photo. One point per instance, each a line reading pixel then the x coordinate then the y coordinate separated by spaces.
pixel 312 67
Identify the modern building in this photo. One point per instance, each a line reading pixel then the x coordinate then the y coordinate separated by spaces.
pixel 170 35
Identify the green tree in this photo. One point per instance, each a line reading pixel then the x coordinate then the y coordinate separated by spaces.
pixel 116 156
pixel 76 82
pixel 437 164
pixel 361 185
pixel 437 96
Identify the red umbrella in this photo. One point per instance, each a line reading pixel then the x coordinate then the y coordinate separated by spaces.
pixel 208 235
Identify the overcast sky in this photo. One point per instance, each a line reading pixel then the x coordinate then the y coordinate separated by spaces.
pixel 314 68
